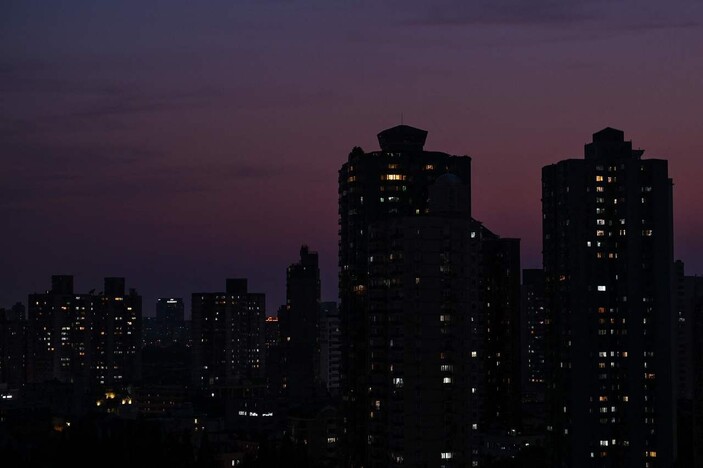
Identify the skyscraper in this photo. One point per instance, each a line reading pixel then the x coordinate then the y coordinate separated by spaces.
pixel 534 326
pixel 330 353
pixel 607 246
pixel 688 365
pixel 499 286
pixel 87 339
pixel 228 336
pixel 117 341
pixel 58 333
pixel 13 346
pixel 169 326
pixel 424 398
pixel 299 323
pixel 377 186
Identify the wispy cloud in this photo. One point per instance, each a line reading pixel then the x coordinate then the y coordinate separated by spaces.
pixel 37 175
pixel 48 97
pixel 589 14
pixel 504 12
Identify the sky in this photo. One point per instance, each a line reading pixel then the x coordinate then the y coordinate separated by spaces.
pixel 179 143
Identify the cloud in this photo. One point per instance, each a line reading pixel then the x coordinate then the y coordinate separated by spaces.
pixel 46 175
pixel 504 12
pixel 622 16
pixel 42 97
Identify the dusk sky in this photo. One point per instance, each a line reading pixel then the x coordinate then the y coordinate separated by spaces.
pixel 179 143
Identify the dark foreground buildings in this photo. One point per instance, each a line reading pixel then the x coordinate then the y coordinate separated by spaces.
pixel 228 336
pixel 414 308
pixel 90 340
pixel 299 325
pixel 607 227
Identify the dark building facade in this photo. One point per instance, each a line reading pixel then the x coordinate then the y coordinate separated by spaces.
pixel 116 338
pixel 376 186
pixel 607 255
pixel 299 324
pixel 168 326
pixel 533 344
pixel 689 359
pixel 424 398
pixel 86 339
pixel 228 336
pixel 499 286
pixel 330 351
pixel 13 346
pixel 695 286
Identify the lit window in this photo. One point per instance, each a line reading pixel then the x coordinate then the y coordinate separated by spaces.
pixel 392 177
pixel 447 380
pixel 447 455
pixel 601 288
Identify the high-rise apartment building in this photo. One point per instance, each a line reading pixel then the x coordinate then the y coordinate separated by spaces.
pixel 379 186
pixel 695 285
pixel 499 293
pixel 13 346
pixel 425 335
pixel 228 336
pixel 688 300
pixel 330 351
pixel 607 247
pixel 87 339
pixel 116 332
pixel 168 327
pixel 533 345
pixel 299 323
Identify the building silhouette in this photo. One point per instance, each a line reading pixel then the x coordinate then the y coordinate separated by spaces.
pixel 168 327
pixel 117 339
pixel 376 186
pixel 430 360
pixel 607 247
pixel 499 294
pixel 13 346
pixel 228 336
pixel 330 351
pixel 533 347
pixel 425 334
pixel 91 340
pixel 688 301
pixel 299 324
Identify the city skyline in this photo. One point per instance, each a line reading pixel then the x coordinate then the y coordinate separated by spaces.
pixel 151 150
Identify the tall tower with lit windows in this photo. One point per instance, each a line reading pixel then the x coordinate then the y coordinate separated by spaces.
pixel 93 341
pixel 377 187
pixel 228 336
pixel 607 246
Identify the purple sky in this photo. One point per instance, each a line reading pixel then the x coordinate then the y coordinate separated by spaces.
pixel 178 143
